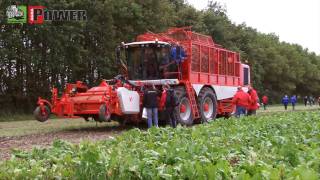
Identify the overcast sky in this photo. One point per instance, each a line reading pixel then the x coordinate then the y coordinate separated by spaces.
pixel 294 21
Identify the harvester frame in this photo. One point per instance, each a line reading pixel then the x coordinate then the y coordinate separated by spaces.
pixel 205 78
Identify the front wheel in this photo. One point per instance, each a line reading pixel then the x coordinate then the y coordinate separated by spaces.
pixel 207 104
pixel 183 110
pixel 40 115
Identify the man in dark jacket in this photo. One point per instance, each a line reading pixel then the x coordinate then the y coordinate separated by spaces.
pixel 305 99
pixel 170 102
pixel 150 102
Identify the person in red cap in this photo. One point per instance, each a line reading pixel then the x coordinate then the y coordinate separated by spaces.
pixel 265 100
pixel 241 100
pixel 253 105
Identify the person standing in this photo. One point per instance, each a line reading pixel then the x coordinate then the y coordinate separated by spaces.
pixel 253 105
pixel 319 100
pixel 293 101
pixel 305 99
pixel 150 102
pixel 241 100
pixel 310 100
pixel 265 100
pixel 169 102
pixel 285 101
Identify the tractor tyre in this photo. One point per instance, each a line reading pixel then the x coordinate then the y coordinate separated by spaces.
pixel 42 117
pixel 207 102
pixel 227 115
pixel 119 119
pixel 86 118
pixel 183 111
pixel 104 113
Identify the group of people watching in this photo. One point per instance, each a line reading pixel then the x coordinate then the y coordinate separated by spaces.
pixel 246 102
pixel 286 100
pixel 168 102
pixel 249 102
pixel 310 100
pixel 293 100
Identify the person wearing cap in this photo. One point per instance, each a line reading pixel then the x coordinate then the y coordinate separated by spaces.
pixel 241 100
pixel 253 105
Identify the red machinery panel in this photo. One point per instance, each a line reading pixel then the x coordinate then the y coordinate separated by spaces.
pixel 207 62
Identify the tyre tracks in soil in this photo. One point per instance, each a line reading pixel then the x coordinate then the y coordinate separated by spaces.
pixel 27 142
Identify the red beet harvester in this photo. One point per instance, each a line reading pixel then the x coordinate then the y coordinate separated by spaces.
pixel 205 77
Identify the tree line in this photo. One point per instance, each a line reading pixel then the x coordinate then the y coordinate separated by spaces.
pixel 35 58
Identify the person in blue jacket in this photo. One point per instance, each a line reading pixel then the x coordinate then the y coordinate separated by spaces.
pixel 285 101
pixel 293 101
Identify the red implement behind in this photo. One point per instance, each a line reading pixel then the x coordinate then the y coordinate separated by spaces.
pixel 79 101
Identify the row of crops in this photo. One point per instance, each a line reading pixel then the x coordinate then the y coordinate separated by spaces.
pixel 279 146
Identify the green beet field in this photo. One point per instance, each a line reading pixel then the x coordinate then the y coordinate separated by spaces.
pixel 278 146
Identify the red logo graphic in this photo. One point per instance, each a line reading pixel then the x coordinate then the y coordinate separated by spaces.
pixel 35 14
pixel 130 99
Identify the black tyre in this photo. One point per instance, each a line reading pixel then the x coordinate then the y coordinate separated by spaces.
pixel 104 113
pixel 183 111
pixel 42 116
pixel 86 118
pixel 119 119
pixel 207 105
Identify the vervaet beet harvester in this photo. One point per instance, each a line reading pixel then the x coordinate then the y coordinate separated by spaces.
pixel 205 77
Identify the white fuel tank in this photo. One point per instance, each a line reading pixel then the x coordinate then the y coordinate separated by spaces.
pixel 129 101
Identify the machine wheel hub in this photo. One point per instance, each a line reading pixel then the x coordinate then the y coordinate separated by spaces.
pixel 208 107
pixel 185 109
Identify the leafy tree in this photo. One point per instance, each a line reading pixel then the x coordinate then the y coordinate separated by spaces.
pixel 35 58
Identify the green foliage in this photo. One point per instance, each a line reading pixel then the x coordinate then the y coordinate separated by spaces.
pixel 279 146
pixel 34 58
pixel 15 117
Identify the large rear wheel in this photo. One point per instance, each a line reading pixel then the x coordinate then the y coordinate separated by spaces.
pixel 42 115
pixel 207 104
pixel 183 110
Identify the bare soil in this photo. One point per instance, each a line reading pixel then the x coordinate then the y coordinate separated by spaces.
pixel 27 142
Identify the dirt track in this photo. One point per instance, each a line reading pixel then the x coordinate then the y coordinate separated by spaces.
pixel 42 140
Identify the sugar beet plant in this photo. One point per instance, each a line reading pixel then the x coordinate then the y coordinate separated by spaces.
pixel 279 146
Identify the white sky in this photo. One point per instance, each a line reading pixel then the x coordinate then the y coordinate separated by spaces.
pixel 294 21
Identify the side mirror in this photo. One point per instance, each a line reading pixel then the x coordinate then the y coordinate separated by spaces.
pixel 118 55
pixel 119 62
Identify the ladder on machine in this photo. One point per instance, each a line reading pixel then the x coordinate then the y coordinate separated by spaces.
pixel 194 106
pixel 226 106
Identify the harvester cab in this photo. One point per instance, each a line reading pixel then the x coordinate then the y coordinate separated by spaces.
pixel 147 60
